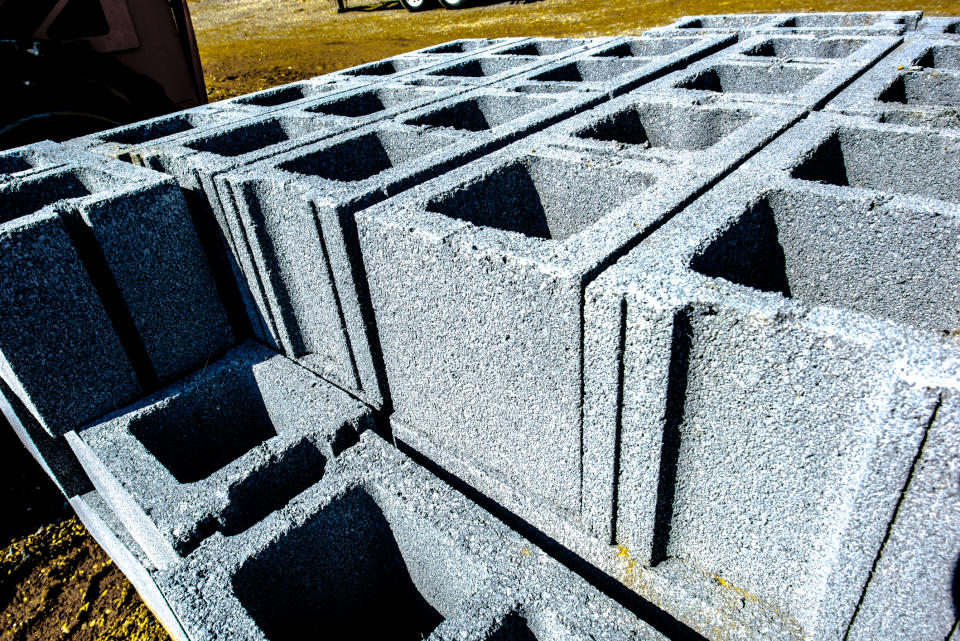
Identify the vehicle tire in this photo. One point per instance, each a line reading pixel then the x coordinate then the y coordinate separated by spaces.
pixel 452 4
pixel 415 5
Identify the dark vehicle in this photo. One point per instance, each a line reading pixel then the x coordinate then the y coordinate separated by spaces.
pixel 71 67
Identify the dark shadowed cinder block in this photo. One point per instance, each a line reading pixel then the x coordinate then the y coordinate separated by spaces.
pixel 135 245
pixel 60 353
pixel 381 547
pixel 218 451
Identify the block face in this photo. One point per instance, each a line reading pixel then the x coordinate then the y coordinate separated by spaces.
pixel 912 588
pixel 151 247
pixel 53 310
pixel 503 396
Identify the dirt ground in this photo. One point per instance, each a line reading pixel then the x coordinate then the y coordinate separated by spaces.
pixel 247 45
pixel 56 583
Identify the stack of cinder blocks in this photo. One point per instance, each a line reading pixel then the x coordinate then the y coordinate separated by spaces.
pixel 647 337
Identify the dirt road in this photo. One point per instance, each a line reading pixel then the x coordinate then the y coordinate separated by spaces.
pixel 247 45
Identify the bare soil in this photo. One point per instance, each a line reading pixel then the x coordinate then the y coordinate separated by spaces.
pixel 246 45
pixel 57 583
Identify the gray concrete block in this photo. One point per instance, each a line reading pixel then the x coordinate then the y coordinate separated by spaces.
pixel 394 69
pixel 913 587
pixel 138 221
pixel 862 23
pixel 482 344
pixel 454 49
pixel 23 161
pixel 128 142
pixel 765 367
pixel 217 451
pixel 60 353
pixel 378 531
pixel 195 159
pixel 297 209
pixel 108 532
pixel 51 452
pixel 802 70
pixel 918 84
pixel 619 65
pixel 498 64
pixel 933 26
pixel 130 231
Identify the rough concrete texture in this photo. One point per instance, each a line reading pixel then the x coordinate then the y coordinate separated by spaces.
pixel 174 476
pixel 51 308
pixel 500 63
pixel 662 352
pixel 937 26
pixel 297 209
pixel 865 23
pixel 765 369
pixel 917 84
pixel 109 533
pixel 195 159
pixel 496 383
pixel 801 69
pixel 619 65
pixel 382 548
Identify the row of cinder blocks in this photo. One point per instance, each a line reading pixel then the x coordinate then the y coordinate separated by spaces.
pixel 695 342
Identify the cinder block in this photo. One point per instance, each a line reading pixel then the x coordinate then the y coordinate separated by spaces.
pixel 51 452
pixel 60 353
pixel 801 70
pixel 862 23
pixel 912 590
pixel 293 94
pixel 194 160
pixel 297 209
pixel 378 529
pixel 932 26
pixel 503 62
pixel 217 451
pixel 765 367
pixel 918 85
pixel 128 141
pixel 392 69
pixel 23 161
pixel 454 49
pixel 108 532
pixel 482 344
pixel 619 65
pixel 125 236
